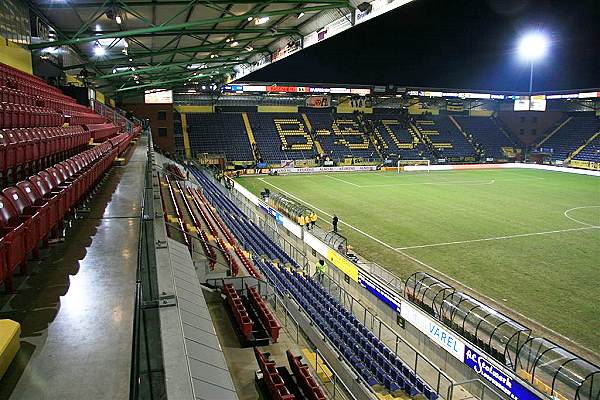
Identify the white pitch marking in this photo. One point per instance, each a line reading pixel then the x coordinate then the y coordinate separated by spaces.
pixel 341 180
pixel 566 214
pixel 497 238
pixel 473 182
pixel 448 277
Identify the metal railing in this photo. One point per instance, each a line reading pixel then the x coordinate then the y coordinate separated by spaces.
pixel 147 372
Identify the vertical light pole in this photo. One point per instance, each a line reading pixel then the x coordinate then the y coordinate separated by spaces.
pixel 532 47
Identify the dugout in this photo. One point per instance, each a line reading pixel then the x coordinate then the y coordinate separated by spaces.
pixel 558 372
pixel 490 330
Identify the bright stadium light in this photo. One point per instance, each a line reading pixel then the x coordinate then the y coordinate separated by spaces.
pixel 533 47
pixel 99 51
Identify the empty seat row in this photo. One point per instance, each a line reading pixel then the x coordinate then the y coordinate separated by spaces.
pixel 307 383
pixel 275 384
pixel 31 210
pixel 37 146
pixel 265 315
pixel 25 116
pixel 239 311
pixel 101 132
pixel 86 118
pixel 26 83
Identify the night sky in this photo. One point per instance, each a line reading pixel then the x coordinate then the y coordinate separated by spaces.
pixel 468 44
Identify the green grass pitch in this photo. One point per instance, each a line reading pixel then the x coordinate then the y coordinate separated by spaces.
pixel 528 239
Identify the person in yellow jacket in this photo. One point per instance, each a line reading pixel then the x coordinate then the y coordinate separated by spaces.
pixel 301 220
pixel 313 219
pixel 320 270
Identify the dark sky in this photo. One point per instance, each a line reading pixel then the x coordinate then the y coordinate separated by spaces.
pixel 466 44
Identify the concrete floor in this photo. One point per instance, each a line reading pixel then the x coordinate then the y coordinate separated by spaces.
pixel 76 305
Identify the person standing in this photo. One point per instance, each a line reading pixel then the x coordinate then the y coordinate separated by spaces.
pixel 320 269
pixel 334 222
pixel 313 220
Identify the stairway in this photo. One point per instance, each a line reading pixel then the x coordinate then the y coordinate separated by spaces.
pixel 558 128
pixel 578 150
pixel 414 130
pixel 313 135
pixel 251 139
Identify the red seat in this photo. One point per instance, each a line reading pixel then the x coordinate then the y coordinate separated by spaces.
pixel 60 181
pixel 34 218
pixel 12 231
pixel 61 192
pixel 37 201
pixel 44 191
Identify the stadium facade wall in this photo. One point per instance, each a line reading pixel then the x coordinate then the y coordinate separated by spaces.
pixel 16 56
pixel 530 126
pixel 162 129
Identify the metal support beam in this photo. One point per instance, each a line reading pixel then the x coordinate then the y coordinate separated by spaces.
pixel 190 24
pixel 147 70
pixel 120 61
pixel 161 83
pixel 289 31
pixel 145 3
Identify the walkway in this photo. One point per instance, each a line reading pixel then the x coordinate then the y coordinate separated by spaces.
pixel 76 307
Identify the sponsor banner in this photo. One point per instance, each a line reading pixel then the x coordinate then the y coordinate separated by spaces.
pixel 326 169
pixel 595 166
pixel 271 211
pixel 434 330
pixel 386 296
pixel 287 163
pixel 343 264
pixel 318 101
pixel 506 384
pixel 290 49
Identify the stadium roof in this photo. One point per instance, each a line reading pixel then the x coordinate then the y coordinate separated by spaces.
pixel 129 46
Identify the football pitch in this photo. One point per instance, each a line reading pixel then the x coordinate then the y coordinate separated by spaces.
pixel 528 239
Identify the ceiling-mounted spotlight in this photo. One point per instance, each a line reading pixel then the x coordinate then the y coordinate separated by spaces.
pixel 300 15
pixel 249 48
pixel 250 19
pixel 99 50
pixel 234 44
pixel 118 19
pixel 261 20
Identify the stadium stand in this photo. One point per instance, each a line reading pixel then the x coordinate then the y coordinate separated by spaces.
pixel 572 135
pixel 487 134
pixel 341 136
pixel 445 138
pixel 219 133
pixel 281 136
pixel 373 361
pixel 591 152
pixel 395 137
pixel 42 128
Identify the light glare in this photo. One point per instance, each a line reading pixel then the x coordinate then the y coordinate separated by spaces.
pixel 533 46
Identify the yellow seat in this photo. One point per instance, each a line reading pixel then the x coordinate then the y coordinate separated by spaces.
pixel 10 332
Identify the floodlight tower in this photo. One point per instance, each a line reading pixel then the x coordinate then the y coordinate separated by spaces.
pixel 532 47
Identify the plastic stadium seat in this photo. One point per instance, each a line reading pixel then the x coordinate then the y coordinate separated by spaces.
pixel 53 188
pixel 43 192
pixel 34 218
pixel 12 232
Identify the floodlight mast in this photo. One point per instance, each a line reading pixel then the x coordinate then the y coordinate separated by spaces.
pixel 532 47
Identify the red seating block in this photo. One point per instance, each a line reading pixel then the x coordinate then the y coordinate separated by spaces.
pixel 308 384
pixel 265 315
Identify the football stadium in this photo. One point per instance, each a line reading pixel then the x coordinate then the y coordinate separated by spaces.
pixel 279 200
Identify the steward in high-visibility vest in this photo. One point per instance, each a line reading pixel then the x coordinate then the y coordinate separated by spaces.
pixel 321 270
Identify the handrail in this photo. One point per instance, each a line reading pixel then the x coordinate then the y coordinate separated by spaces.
pixel 135 345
